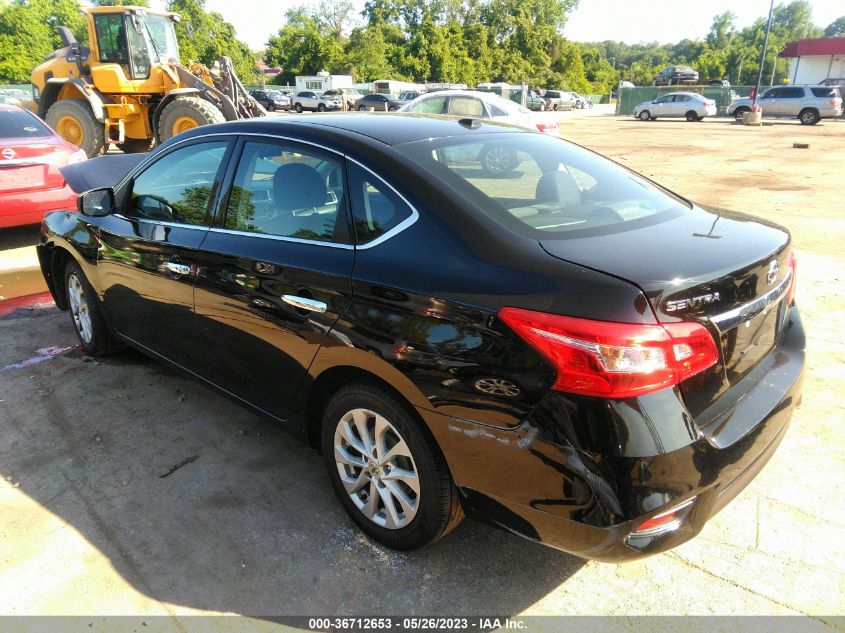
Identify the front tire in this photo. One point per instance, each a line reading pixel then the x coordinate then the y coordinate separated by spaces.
pixel 298 108
pixel 85 314
pixel 75 123
pixel 645 115
pixel 809 117
pixel 390 476
pixel 321 107
pixel 740 111
pixel 186 113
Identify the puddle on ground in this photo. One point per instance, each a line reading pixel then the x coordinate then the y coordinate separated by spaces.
pixel 42 354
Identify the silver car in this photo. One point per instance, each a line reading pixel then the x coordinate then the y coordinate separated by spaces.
pixel 809 104
pixel 689 105
pixel 310 100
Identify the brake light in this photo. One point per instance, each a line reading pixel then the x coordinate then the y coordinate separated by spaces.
pixel 614 360
pixel 547 128
pixel 665 521
pixel 793 266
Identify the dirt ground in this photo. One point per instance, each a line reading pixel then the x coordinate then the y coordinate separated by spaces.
pixel 88 525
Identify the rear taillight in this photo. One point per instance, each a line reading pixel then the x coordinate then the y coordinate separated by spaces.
pixel 793 268
pixel 614 360
pixel 547 128
pixel 665 521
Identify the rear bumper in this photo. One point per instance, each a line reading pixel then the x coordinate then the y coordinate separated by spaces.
pixel 551 481
pixel 30 207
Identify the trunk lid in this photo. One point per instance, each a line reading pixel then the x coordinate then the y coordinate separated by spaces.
pixel 723 269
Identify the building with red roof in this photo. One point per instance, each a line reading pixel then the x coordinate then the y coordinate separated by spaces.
pixel 816 61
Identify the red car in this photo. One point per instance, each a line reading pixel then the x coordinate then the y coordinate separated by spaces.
pixel 30 156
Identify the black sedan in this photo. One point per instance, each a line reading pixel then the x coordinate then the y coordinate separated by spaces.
pixel 379 103
pixel 272 100
pixel 568 351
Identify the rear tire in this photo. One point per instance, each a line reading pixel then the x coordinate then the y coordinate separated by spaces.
pixel 645 115
pixel 75 123
pixel 85 314
pixel 186 113
pixel 361 108
pixel 498 161
pixel 402 513
pixel 136 145
pixel 809 117
pixel 298 108
pixel 691 116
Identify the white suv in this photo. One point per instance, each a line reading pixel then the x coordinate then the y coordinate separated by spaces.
pixel 810 104
pixel 310 100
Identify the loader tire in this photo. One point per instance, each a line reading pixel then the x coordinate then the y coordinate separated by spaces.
pixel 136 145
pixel 186 113
pixel 75 123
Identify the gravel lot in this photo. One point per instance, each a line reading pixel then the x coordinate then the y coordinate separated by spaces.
pixel 88 525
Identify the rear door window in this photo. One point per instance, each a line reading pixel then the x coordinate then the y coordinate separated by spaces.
pixel 289 192
pixel 466 106
pixel 792 93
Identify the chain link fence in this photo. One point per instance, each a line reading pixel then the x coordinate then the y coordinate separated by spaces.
pixel 629 98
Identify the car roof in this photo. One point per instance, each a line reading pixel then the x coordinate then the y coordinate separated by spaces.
pixel 387 128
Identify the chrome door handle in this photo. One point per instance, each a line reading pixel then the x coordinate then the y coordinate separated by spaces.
pixel 304 303
pixel 178 269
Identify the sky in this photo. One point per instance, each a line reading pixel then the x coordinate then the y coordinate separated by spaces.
pixel 631 21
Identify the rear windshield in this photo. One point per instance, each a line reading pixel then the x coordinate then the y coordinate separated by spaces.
pixel 544 188
pixel 21 125
pixel 825 92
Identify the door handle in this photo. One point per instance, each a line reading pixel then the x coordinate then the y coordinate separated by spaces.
pixel 178 269
pixel 304 303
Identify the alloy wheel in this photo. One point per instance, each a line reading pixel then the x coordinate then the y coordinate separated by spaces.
pixel 376 468
pixel 79 308
pixel 497 160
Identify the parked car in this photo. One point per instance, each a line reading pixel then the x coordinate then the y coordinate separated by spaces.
pixel 351 95
pixel 558 100
pixel 675 75
pixel 409 95
pixel 690 105
pixel 379 103
pixel 30 157
pixel 809 104
pixel 579 102
pixel 609 400
pixel 475 104
pixel 272 100
pixel 314 102
pixel 533 101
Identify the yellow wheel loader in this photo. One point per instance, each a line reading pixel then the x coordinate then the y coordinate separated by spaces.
pixel 129 88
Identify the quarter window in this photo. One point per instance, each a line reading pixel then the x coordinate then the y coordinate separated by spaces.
pixel 285 191
pixel 376 208
pixel 180 186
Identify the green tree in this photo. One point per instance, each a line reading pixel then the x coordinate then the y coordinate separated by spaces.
pixel 213 38
pixel 28 32
pixel 835 28
pixel 302 48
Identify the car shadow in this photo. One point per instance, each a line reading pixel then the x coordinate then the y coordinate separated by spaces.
pixel 196 501
pixel 19 236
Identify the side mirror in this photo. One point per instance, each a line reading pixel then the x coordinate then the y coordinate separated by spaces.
pixel 96 203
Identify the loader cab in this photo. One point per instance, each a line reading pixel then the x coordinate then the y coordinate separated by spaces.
pixel 135 39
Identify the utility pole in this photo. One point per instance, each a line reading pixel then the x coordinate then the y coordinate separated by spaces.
pixel 763 56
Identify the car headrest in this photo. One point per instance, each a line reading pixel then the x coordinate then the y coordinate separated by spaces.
pixel 298 186
pixel 558 186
